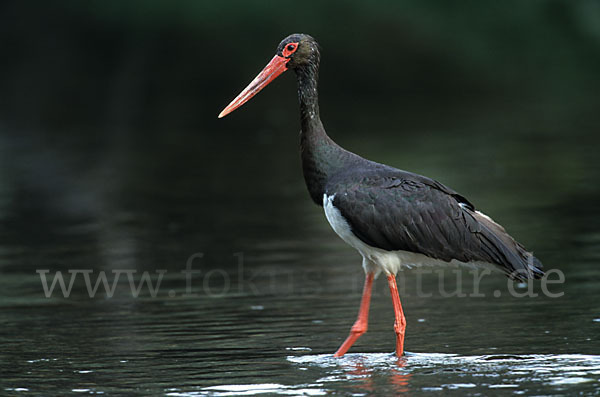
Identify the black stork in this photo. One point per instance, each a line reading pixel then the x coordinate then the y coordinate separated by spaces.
pixel 393 218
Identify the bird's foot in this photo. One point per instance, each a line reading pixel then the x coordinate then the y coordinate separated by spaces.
pixel 400 330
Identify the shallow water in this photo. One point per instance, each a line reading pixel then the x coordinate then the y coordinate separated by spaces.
pixel 277 291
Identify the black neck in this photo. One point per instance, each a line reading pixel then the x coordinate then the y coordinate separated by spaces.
pixel 321 157
pixel 308 97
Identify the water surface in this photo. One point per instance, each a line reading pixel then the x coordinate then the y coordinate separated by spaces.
pixel 276 291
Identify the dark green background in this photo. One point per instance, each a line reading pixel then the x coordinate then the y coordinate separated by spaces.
pixel 156 66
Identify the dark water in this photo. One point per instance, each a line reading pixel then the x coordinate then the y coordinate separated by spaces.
pixel 276 291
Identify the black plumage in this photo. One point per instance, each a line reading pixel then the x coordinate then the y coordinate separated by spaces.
pixel 395 210
pixel 392 209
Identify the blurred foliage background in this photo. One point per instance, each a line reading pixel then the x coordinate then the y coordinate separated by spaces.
pixel 156 66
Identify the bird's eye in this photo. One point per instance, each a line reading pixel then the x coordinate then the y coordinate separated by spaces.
pixel 289 49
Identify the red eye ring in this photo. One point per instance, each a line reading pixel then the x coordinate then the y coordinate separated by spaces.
pixel 289 49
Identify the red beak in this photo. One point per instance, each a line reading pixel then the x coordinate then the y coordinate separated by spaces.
pixel 273 69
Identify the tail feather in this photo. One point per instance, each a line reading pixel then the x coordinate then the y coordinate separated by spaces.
pixel 510 255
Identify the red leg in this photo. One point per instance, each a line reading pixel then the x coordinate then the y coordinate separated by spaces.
pixel 400 323
pixel 361 324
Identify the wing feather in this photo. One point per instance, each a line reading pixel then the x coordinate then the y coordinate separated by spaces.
pixel 412 213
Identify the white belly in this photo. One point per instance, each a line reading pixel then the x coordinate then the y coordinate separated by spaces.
pixel 377 259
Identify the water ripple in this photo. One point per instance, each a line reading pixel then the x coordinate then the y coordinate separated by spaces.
pixel 497 371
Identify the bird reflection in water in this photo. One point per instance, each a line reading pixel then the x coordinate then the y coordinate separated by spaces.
pixel 399 377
